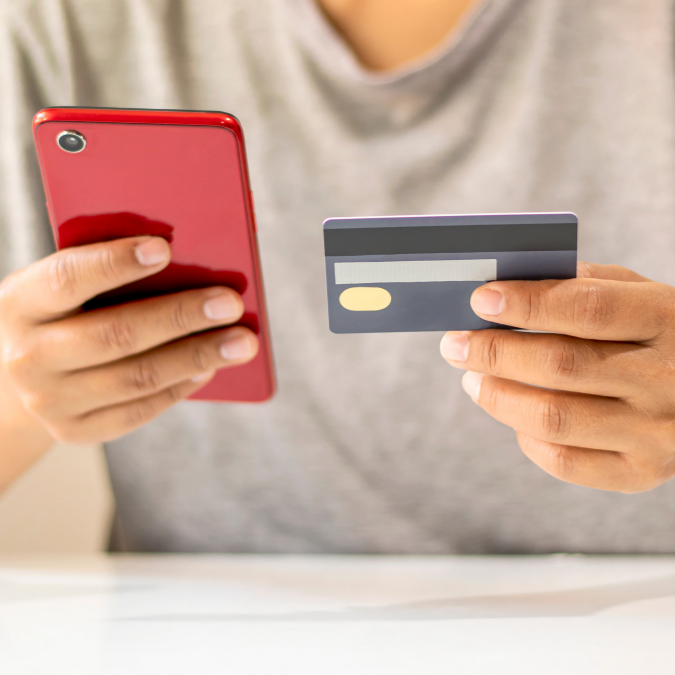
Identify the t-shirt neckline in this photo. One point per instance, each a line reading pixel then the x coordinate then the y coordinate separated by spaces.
pixel 327 47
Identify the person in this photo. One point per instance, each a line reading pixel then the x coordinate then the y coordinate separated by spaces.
pixel 362 107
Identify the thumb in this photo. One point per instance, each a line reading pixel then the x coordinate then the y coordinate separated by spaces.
pixel 610 272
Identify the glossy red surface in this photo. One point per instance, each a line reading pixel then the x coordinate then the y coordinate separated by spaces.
pixel 179 175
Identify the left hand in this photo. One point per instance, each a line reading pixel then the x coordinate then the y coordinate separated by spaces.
pixel 593 401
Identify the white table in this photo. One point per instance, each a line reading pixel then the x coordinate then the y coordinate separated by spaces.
pixel 328 615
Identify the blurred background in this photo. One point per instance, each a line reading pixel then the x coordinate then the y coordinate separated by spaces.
pixel 63 504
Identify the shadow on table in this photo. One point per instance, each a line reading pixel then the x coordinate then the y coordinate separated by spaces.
pixel 569 603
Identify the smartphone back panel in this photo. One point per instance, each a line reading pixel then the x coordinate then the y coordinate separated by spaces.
pixel 178 175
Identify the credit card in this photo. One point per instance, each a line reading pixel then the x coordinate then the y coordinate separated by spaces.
pixel 417 273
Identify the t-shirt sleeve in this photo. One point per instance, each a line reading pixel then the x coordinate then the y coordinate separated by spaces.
pixel 34 74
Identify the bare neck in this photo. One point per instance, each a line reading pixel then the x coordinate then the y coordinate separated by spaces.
pixel 388 34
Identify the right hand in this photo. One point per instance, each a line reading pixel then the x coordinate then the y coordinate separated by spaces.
pixel 94 376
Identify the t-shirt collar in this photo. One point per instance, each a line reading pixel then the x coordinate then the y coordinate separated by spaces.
pixel 329 51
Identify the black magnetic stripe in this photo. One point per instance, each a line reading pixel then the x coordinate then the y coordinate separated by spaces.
pixel 451 239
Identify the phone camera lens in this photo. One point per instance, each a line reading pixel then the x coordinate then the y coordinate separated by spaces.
pixel 71 141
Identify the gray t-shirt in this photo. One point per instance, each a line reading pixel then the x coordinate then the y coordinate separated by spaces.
pixel 370 445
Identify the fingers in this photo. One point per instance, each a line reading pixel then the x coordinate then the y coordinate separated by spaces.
pixel 53 353
pixel 62 282
pixel 595 309
pixel 612 272
pixel 111 423
pixel 106 335
pixel 599 469
pixel 555 361
pixel 559 417
pixel 157 370
pixel 600 411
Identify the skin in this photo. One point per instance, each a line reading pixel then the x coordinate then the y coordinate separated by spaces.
pixel 389 34
pixel 88 377
pixel 91 377
pixel 593 403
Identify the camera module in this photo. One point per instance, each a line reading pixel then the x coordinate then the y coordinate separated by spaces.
pixel 71 141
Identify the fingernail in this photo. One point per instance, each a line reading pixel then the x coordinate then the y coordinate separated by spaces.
pixel 152 252
pixel 237 348
pixel 488 302
pixel 222 307
pixel 455 347
pixel 202 377
pixel 471 383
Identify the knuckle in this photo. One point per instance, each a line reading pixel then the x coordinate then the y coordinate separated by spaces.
pixel 552 418
pixel 140 412
pixel 554 458
pixel 142 377
pixel 562 461
pixel 179 318
pixel 62 274
pixel 591 309
pixel 562 360
pixel 175 394
pixel 492 353
pixel 532 305
pixel 20 359
pixel 117 334
pixel 201 356
pixel 493 398
pixel 106 264
pixel 42 404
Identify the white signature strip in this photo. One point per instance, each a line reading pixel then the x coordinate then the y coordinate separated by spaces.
pixel 415 271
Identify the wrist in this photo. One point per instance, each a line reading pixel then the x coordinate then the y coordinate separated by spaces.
pixel 23 437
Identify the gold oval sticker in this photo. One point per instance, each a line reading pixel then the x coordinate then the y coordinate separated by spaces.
pixel 365 299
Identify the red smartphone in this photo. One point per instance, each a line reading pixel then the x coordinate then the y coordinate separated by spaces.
pixel 181 175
